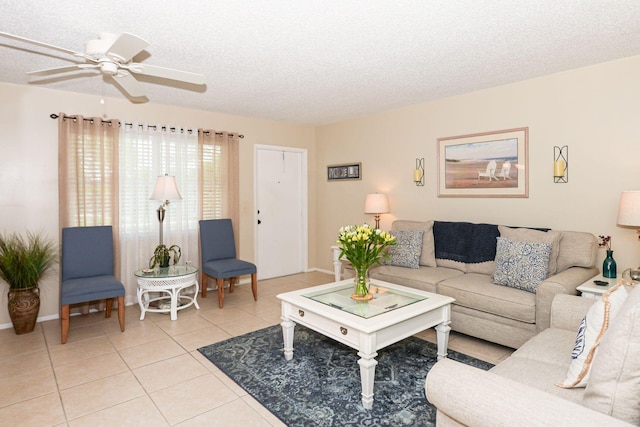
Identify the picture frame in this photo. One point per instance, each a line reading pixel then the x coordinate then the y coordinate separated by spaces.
pixel 344 172
pixel 488 164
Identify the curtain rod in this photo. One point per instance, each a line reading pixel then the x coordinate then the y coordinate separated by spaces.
pixel 172 129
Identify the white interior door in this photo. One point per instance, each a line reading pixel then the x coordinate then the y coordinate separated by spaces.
pixel 281 211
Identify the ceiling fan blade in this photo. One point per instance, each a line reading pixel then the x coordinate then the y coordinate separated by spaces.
pixel 129 84
pixel 47 45
pixel 66 69
pixel 37 43
pixel 167 73
pixel 126 47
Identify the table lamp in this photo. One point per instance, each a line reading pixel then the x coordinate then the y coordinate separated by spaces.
pixel 165 191
pixel 376 204
pixel 629 216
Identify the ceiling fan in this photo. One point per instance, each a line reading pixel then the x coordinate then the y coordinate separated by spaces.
pixel 112 55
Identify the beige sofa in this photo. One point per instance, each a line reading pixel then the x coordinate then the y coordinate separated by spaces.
pixel 457 259
pixel 521 390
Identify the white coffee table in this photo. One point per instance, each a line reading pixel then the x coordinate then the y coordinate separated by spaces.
pixel 389 317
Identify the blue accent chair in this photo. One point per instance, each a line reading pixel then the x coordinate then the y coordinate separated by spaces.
pixel 87 272
pixel 218 251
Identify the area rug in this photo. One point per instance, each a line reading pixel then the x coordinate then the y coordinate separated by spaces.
pixel 320 386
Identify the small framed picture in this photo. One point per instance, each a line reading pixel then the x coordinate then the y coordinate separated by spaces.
pixel 344 172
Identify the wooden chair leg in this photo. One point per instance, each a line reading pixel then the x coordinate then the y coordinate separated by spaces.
pixel 107 312
pixel 232 284
pixel 204 285
pixel 64 322
pixel 220 293
pixel 121 312
pixel 254 286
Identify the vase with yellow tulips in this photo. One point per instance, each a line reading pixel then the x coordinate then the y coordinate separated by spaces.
pixel 363 246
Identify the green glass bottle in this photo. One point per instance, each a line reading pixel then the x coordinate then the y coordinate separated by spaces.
pixel 609 266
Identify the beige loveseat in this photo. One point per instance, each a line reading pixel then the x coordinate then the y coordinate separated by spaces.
pixel 457 259
pixel 521 391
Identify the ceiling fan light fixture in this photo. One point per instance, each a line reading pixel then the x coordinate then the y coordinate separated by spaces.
pixel 109 68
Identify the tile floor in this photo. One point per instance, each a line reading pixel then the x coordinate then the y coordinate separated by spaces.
pixel 152 374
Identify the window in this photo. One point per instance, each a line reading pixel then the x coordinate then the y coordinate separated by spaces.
pixel 108 171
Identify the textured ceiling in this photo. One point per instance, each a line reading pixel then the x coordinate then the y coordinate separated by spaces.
pixel 323 61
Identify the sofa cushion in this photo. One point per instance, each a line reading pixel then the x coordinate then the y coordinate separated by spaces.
pixel 487 267
pixel 427 256
pixel 521 265
pixel 477 292
pixel 614 384
pixel 423 278
pixel 536 236
pixel 406 251
pixel 577 249
pixel 552 346
pixel 491 327
pixel 537 374
pixel 590 333
pixel 447 263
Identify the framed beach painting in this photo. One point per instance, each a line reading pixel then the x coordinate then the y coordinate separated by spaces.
pixel 489 164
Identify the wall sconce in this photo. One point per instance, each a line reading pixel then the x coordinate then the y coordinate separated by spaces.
pixel 561 164
pixel 376 204
pixel 418 173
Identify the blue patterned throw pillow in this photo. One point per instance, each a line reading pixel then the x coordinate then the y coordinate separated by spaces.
pixel 407 250
pixel 521 265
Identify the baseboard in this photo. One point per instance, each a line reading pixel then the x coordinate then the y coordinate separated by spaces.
pixel 40 319
pixel 243 281
pixel 55 316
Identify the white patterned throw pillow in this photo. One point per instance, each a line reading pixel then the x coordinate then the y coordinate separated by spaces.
pixel 521 265
pixel 591 331
pixel 406 252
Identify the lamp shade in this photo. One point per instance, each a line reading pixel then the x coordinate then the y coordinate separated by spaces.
pixel 629 210
pixel 166 189
pixel 376 203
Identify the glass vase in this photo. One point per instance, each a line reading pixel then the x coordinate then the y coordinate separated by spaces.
pixel 361 284
pixel 609 266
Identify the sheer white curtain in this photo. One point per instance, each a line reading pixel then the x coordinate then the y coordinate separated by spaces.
pixel 147 151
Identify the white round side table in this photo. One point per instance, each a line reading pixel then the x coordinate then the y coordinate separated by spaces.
pixel 169 283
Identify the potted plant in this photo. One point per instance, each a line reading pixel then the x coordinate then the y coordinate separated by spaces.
pixel 162 256
pixel 23 262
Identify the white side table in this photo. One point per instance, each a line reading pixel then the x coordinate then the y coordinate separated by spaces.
pixel 169 283
pixel 590 290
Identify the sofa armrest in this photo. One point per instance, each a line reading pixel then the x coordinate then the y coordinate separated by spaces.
pixel 474 397
pixel 564 282
pixel 567 311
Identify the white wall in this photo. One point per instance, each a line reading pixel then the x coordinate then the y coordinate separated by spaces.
pixel 29 161
pixel 593 110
